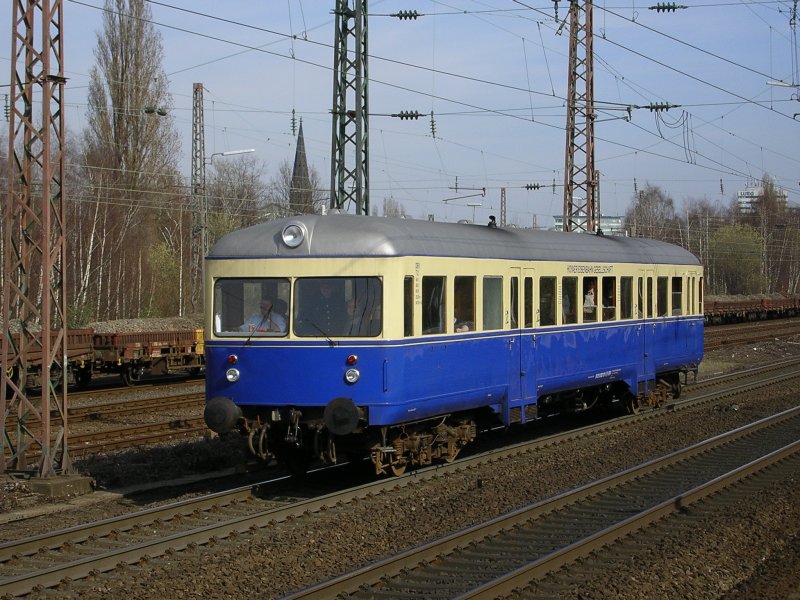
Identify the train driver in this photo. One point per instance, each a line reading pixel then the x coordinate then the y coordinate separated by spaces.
pixel 265 320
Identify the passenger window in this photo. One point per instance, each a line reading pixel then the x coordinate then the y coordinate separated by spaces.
pixel 640 298
pixel 626 297
pixel 408 306
pixel 514 292
pixel 569 300
pixel 464 304
pixel 589 299
pixel 529 302
pixel 609 298
pixel 433 309
pixel 700 296
pixel 650 298
pixel 492 303
pixel 677 295
pixel 547 301
pixel 662 294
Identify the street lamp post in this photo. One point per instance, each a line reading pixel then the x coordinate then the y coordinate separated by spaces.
pixel 199 229
pixel 204 223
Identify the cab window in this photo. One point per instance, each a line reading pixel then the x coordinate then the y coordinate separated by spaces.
pixel 251 306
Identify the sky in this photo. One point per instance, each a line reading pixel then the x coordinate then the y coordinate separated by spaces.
pixel 493 73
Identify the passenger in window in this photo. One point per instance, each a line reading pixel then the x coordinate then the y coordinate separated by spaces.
pixel 566 308
pixel 265 320
pixel 460 326
pixel 588 303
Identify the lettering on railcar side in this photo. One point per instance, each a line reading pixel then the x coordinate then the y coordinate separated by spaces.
pixel 590 268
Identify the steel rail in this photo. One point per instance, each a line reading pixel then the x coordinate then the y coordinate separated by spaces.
pixel 521 577
pixel 372 575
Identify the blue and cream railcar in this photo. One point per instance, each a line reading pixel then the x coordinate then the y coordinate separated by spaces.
pixel 401 338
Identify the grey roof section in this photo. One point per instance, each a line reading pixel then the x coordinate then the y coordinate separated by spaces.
pixel 351 235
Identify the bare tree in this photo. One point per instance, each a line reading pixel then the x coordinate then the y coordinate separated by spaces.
pixel 652 215
pixel 236 195
pixel 281 191
pixel 130 155
pixel 392 208
pixel 735 251
pixel 698 224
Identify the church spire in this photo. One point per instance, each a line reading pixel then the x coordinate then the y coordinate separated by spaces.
pixel 301 198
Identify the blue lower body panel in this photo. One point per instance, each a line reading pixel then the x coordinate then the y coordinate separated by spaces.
pixel 419 378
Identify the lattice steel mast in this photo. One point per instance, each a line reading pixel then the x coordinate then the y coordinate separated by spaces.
pixel 199 232
pixel 581 184
pixel 34 284
pixel 350 139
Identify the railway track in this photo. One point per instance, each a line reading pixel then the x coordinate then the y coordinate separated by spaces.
pixel 70 555
pixel 496 558
pixel 94 416
pixel 749 333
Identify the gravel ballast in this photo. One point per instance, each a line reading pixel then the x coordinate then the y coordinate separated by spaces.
pixel 744 553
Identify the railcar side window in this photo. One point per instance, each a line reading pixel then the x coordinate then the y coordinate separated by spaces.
pixel 547 301
pixel 464 303
pixel 433 308
pixel 626 297
pixel 492 303
pixel 254 306
pixel 408 306
pixel 650 298
pixel 338 307
pixel 640 298
pixel 662 294
pixel 589 299
pixel 609 298
pixel 700 308
pixel 514 302
pixel 529 302
pixel 677 295
pixel 569 300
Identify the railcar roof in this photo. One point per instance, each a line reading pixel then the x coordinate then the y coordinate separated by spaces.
pixel 351 235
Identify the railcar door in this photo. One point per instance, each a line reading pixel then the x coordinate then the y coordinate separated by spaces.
pixel 645 298
pixel 527 341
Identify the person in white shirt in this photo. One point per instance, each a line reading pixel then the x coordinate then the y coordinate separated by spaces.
pixel 265 321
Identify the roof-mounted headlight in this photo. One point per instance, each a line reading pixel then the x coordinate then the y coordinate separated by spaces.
pixel 294 234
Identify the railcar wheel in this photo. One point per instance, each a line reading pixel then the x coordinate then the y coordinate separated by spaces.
pixel 452 452
pixel 83 377
pixel 399 467
pixel 131 376
pixel 676 390
pixel 632 404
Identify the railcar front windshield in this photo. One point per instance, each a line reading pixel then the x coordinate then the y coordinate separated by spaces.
pixel 318 307
pixel 254 306
pixel 337 307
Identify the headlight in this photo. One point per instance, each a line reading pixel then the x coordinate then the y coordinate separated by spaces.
pixel 352 375
pixel 232 375
pixel 293 234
